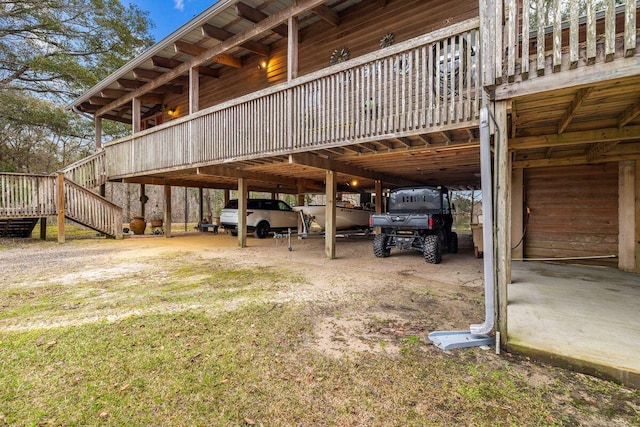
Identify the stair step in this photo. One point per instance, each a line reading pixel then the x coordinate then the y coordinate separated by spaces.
pixel 17 227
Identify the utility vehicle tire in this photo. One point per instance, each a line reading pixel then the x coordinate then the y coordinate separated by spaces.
pixel 431 250
pixel 453 243
pixel 262 230
pixel 380 249
pixel 234 233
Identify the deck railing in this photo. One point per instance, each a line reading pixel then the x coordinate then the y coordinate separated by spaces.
pixel 90 172
pixel 542 36
pixel 36 196
pixel 424 84
pixel 91 210
pixel 27 195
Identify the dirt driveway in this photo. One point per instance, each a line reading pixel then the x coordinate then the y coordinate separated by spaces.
pixel 361 300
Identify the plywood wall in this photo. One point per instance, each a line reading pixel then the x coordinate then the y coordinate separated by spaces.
pixel 574 212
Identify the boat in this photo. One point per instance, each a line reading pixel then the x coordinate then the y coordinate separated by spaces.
pixel 348 216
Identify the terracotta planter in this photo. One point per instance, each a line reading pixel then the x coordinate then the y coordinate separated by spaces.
pixel 137 225
pixel 156 222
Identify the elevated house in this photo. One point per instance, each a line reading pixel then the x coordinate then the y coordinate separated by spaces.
pixel 305 96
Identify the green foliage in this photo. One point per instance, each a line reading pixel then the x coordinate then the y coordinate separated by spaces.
pixel 50 52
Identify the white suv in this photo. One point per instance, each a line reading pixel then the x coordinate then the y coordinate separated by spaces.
pixel 263 215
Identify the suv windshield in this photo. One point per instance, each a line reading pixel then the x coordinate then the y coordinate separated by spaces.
pixel 414 200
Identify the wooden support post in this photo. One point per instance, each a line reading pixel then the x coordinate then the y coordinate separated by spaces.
pixel 136 115
pixel 60 203
pixel 98 123
pixel 186 207
pixel 292 49
pixel 226 196
pixel 627 215
pixel 143 199
pixel 503 218
pixel 517 213
pixel 201 204
pixel 379 201
pixel 194 90
pixel 330 215
pixel 637 216
pixel 243 195
pixel 43 228
pixel 167 211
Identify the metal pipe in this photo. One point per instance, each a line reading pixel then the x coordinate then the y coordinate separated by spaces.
pixel 487 228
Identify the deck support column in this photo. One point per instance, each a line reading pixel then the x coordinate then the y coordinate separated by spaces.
pixel 201 205
pixel 143 200
pixel 243 195
pixel 503 217
pixel 637 216
pixel 43 228
pixel 517 213
pixel 60 197
pixel 330 215
pixel 627 207
pixel 379 201
pixel 167 211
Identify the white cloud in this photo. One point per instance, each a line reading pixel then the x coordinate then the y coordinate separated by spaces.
pixel 179 4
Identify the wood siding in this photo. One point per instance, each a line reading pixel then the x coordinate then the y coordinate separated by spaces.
pixel 361 29
pixel 574 212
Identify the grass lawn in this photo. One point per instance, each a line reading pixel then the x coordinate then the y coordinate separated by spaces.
pixel 199 342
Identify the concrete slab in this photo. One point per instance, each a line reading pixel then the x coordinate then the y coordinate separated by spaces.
pixel 588 317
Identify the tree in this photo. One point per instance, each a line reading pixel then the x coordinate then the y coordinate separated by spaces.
pixel 50 52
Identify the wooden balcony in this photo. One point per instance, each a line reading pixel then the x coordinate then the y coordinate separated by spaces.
pixel 559 44
pixel 424 85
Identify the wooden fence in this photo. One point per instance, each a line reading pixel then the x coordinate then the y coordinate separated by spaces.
pixel 542 36
pixel 425 84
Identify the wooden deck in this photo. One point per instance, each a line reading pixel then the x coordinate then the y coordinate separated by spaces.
pixel 425 85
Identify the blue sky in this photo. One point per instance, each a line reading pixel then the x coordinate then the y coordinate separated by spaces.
pixel 169 15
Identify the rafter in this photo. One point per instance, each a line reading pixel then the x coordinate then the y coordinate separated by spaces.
pixel 254 15
pixel 195 50
pixel 162 62
pixel 425 139
pixel 222 35
pixel 141 73
pixel 630 114
pixel 113 93
pixel 327 14
pixel 404 141
pixel 296 9
pixel 446 137
pixel 578 100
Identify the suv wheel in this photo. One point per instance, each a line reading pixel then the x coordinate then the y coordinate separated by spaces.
pixel 262 230
pixel 431 250
pixel 453 243
pixel 380 249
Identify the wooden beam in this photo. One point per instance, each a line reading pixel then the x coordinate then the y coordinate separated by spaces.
pixel 446 137
pixel 168 63
pixel 141 73
pixel 292 50
pixel 228 172
pixel 60 206
pixel 576 138
pixel 318 162
pixel 297 8
pixel 503 219
pixel 130 84
pixel 166 203
pixel 630 114
pixel 578 100
pixel 222 35
pixel 254 15
pixel 194 90
pixel 404 141
pixel 626 216
pixel 195 50
pixel 100 101
pixel 327 14
pixel 599 149
pixel 113 93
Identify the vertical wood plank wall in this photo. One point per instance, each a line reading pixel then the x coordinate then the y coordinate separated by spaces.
pixel 574 212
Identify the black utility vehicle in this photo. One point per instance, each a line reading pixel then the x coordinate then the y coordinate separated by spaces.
pixel 417 218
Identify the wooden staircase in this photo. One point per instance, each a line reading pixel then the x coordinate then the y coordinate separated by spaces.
pixel 25 198
pixel 17 227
